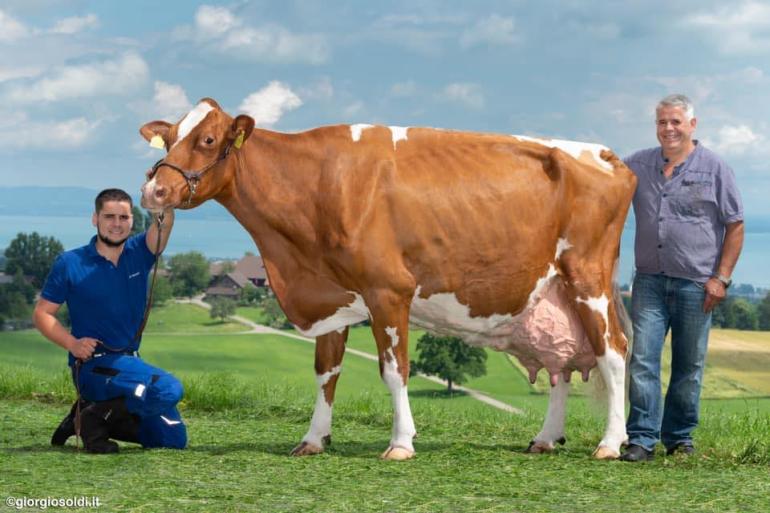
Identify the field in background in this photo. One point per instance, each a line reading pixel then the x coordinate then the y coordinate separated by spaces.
pixel 249 399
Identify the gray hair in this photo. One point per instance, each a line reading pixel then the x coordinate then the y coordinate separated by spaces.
pixel 678 100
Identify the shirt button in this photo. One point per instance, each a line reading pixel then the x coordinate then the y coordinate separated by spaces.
pixel 664 194
pixel 660 245
pixel 660 219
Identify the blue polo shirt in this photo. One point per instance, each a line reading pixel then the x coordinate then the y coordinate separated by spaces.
pixel 680 221
pixel 105 302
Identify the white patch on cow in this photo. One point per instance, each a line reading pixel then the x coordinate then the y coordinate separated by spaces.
pixel 540 285
pixel 392 332
pixel 444 311
pixel 553 426
pixel 321 423
pixel 191 120
pixel 613 369
pixel 139 390
pixel 574 148
pixel 324 378
pixel 353 313
pixel 599 305
pixel 398 133
pixel 403 423
pixel 561 246
pixel 355 130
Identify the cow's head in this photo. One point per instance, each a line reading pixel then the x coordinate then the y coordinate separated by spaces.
pixel 201 156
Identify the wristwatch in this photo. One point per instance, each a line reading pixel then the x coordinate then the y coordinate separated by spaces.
pixel 725 281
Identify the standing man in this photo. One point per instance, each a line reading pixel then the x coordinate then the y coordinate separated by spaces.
pixel 105 287
pixel 689 233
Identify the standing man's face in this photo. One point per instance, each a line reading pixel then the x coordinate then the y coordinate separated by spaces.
pixel 674 130
pixel 113 223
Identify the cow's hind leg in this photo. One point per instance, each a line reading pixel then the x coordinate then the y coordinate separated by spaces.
pixel 390 325
pixel 592 295
pixel 329 350
pixel 553 427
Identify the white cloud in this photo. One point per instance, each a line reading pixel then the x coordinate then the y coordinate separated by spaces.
pixel 492 31
pixel 10 28
pixel 466 94
pixel 68 134
pixel 75 24
pixel 736 29
pixel 214 21
pixel 170 101
pixel 353 110
pixel 108 78
pixel 270 103
pixel 735 140
pixel 8 73
pixel 218 28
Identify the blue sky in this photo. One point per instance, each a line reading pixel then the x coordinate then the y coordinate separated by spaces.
pixel 78 78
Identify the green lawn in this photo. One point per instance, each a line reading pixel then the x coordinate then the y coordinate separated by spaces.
pixel 249 399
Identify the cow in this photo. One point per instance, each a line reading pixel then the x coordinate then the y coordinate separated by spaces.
pixel 508 242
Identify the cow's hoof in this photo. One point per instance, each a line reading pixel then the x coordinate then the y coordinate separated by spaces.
pixel 605 453
pixel 541 446
pixel 397 454
pixel 306 449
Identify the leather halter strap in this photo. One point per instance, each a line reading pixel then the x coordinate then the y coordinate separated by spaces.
pixel 192 178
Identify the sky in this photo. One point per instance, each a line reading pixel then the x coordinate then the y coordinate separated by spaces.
pixel 78 78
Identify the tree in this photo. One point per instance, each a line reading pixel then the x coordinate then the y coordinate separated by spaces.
pixel 16 299
pixel 274 315
pixel 449 358
pixel 189 273
pixel 142 220
pixel 763 313
pixel 33 254
pixel 163 291
pixel 744 314
pixel 222 308
pixel 251 295
pixel 724 315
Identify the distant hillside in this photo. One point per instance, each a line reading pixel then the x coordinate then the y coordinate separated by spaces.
pixel 73 202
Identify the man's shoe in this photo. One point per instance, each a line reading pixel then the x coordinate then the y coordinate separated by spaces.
pixel 66 428
pixel 636 453
pixel 95 430
pixel 681 448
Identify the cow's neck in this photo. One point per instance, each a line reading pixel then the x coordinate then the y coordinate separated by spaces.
pixel 272 197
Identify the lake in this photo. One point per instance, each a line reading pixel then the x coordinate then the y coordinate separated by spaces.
pixel 225 238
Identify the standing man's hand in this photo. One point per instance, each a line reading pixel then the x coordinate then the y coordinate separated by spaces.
pixel 83 348
pixel 715 294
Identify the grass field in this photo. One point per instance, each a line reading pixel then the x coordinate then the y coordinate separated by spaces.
pixel 249 399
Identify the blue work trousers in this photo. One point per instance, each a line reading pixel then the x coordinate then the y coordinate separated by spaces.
pixel 660 303
pixel 150 393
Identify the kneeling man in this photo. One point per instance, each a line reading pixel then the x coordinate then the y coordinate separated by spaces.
pixel 104 284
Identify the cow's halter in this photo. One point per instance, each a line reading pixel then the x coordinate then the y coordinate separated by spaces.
pixel 192 178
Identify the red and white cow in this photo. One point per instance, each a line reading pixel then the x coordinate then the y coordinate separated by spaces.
pixel 506 241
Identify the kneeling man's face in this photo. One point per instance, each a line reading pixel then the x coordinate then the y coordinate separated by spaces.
pixel 113 223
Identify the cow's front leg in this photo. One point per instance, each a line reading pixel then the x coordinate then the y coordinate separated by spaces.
pixel 329 350
pixel 553 427
pixel 390 324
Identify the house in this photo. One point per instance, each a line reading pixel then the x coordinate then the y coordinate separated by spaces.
pixel 228 285
pixel 253 268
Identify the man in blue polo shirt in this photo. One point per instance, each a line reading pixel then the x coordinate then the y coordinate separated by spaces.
pixel 105 287
pixel 689 233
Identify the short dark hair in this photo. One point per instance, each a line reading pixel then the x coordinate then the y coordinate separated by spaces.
pixel 111 195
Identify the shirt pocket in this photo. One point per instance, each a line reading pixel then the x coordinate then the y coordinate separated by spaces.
pixel 695 196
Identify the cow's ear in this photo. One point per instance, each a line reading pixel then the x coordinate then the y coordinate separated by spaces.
pixel 154 129
pixel 240 130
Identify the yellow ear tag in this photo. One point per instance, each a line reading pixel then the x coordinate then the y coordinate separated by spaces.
pixel 238 141
pixel 157 142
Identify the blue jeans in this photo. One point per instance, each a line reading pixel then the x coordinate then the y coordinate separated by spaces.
pixel 660 303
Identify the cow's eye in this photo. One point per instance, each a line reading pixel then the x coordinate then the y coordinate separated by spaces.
pixel 209 140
